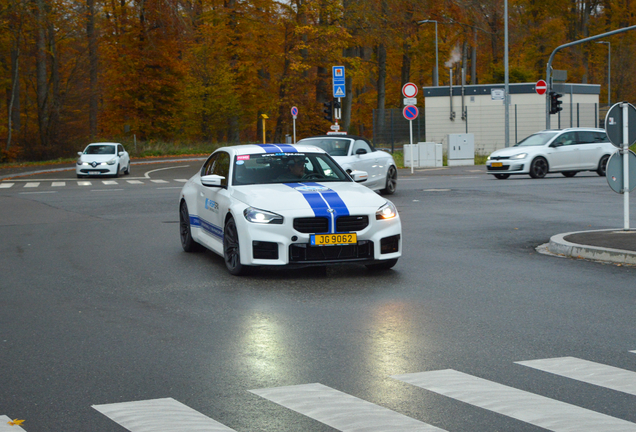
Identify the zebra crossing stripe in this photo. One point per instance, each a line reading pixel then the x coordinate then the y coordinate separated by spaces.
pixel 341 411
pixel 159 415
pixel 58 184
pixel 135 182
pixel 159 181
pixel 589 372
pixel 32 184
pixel 6 427
pixel 537 410
pixel 84 183
pixel 6 185
pixel 109 182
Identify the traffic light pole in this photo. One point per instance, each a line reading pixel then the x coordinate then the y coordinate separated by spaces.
pixel 549 66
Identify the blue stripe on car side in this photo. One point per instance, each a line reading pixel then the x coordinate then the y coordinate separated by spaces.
pixel 197 222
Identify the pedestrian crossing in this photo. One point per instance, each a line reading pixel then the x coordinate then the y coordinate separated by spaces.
pixel 347 413
pixel 83 183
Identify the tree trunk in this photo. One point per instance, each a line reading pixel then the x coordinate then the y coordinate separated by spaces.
pixel 92 61
pixel 41 72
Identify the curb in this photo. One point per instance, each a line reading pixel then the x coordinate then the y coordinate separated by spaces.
pixel 558 245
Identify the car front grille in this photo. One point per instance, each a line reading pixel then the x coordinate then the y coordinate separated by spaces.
pixel 501 168
pixel 321 224
pixel 305 253
pixel 499 157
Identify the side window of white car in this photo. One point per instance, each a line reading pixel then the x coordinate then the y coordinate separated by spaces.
pixel 568 138
pixel 359 144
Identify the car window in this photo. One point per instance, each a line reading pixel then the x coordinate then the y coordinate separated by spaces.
pixel 333 146
pixel 537 139
pixel 600 137
pixel 120 148
pixel 219 164
pixel 359 144
pixel 100 149
pixel 286 168
pixel 568 138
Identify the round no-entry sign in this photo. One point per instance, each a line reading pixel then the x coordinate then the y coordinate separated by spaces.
pixel 409 90
pixel 410 112
pixel 541 87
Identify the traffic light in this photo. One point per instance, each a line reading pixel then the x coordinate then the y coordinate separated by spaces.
pixel 555 103
pixel 328 110
pixel 336 109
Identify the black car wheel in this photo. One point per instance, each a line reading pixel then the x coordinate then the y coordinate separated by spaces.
pixel 391 181
pixel 602 166
pixel 231 249
pixel 538 168
pixel 501 176
pixel 569 173
pixel 187 243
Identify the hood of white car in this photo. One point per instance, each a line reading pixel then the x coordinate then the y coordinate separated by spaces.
pixel 293 196
pixel 97 157
pixel 511 151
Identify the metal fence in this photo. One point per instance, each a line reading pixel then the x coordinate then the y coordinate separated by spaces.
pixel 391 129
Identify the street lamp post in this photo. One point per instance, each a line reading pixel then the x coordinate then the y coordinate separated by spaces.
pixel 609 63
pixel 436 77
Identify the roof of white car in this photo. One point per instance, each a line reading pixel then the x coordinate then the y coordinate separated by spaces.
pixel 246 149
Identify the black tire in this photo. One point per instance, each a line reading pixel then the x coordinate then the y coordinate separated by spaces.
pixel 127 172
pixel 391 181
pixel 117 172
pixel 569 173
pixel 602 166
pixel 501 176
pixel 231 250
pixel 538 168
pixel 185 232
pixel 382 265
pixel 79 176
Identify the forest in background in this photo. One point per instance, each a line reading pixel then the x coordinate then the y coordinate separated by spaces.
pixel 184 71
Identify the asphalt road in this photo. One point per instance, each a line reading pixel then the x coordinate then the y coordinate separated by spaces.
pixel 101 306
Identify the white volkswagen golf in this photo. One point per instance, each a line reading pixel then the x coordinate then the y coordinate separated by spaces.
pixel 274 205
pixel 567 151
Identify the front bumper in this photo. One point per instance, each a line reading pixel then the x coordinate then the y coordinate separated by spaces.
pixel 507 167
pixel 98 170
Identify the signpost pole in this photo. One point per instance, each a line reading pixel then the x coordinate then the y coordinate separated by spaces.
pixel 412 148
pixel 294 129
pixel 625 107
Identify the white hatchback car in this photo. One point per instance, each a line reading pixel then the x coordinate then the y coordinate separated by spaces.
pixel 275 205
pixel 567 151
pixel 102 159
pixel 356 153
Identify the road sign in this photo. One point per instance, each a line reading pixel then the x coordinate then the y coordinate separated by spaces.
pixel 614 124
pixel 410 112
pixel 338 75
pixel 614 173
pixel 410 101
pixel 409 90
pixel 541 87
pixel 335 127
pixel 294 111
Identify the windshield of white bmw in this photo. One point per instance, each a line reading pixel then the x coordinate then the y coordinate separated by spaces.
pixel 537 139
pixel 333 146
pixel 286 168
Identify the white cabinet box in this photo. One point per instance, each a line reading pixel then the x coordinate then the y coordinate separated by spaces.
pixel 461 149
pixel 426 155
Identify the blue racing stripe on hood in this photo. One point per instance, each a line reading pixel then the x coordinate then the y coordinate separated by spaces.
pixel 278 148
pixel 323 201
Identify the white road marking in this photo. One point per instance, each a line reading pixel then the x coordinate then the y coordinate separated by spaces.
pixel 6 185
pixel 135 182
pixel 538 410
pixel 147 173
pixel 106 190
pixel 340 410
pixel 169 187
pixel 39 192
pixel 84 183
pixel 181 180
pixel 159 415
pixel 32 185
pixel 592 373
pixel 109 182
pixel 58 184
pixel 158 181
pixel 6 427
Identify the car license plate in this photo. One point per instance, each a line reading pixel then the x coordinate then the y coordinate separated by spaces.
pixel 94 172
pixel 334 239
pixel 496 164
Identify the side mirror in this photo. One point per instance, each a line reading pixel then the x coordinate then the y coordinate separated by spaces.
pixel 213 180
pixel 121 154
pixel 359 176
pixel 79 153
pixel 361 151
pixel 556 144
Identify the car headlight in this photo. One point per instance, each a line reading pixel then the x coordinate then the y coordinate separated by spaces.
pixel 488 158
pixel 520 156
pixel 387 211
pixel 113 161
pixel 255 215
